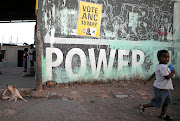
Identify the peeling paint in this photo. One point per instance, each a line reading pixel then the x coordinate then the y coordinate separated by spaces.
pixel 131 33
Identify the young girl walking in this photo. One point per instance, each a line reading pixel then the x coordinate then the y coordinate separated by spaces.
pixel 161 86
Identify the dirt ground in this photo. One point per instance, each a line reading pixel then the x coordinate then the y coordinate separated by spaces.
pixel 115 101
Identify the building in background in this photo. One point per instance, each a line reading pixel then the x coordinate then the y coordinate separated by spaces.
pixel 12 55
pixel 14 37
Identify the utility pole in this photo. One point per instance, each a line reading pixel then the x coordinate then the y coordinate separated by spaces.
pixel 38 63
pixel 38 43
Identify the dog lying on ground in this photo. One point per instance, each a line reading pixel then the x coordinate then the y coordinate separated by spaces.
pixel 12 94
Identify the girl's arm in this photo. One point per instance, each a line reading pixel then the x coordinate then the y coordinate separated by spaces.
pixel 149 79
pixel 26 54
pixel 170 75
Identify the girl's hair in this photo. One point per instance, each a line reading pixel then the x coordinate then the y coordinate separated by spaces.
pixel 25 49
pixel 160 52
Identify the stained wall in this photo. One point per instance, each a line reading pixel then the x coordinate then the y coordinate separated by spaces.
pixel 131 33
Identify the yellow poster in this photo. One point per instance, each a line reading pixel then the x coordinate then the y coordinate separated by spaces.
pixel 89 19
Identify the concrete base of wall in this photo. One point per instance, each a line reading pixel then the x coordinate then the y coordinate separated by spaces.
pixel 8 64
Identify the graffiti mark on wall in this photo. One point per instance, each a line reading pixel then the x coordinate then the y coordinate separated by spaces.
pixel 119 20
pixel 137 22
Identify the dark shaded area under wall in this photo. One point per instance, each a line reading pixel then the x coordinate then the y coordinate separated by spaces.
pixel 20 59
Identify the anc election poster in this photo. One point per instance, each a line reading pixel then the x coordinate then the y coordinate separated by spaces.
pixel 89 19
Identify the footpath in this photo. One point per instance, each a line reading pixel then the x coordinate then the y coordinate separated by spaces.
pixel 113 96
pixel 112 101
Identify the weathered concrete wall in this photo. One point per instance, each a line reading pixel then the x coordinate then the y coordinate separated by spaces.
pixel 176 35
pixel 131 33
pixel 11 53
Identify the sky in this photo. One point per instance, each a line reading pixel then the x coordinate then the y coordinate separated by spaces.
pixel 17 33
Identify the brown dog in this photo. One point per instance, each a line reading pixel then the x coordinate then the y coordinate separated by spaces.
pixel 13 94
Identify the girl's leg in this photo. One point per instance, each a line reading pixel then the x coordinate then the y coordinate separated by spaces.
pixel 163 114
pixel 25 69
pixel 168 100
pixel 164 109
pixel 31 63
pixel 25 66
pixel 147 105
pixel 143 106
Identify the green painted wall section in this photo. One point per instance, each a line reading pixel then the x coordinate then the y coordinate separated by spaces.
pixel 149 48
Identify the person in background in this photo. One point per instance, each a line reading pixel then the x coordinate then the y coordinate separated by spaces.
pixel 31 55
pixel 25 56
pixel 0 62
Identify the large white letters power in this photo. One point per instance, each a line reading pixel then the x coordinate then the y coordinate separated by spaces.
pixel 50 63
pixel 68 63
pixel 95 68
